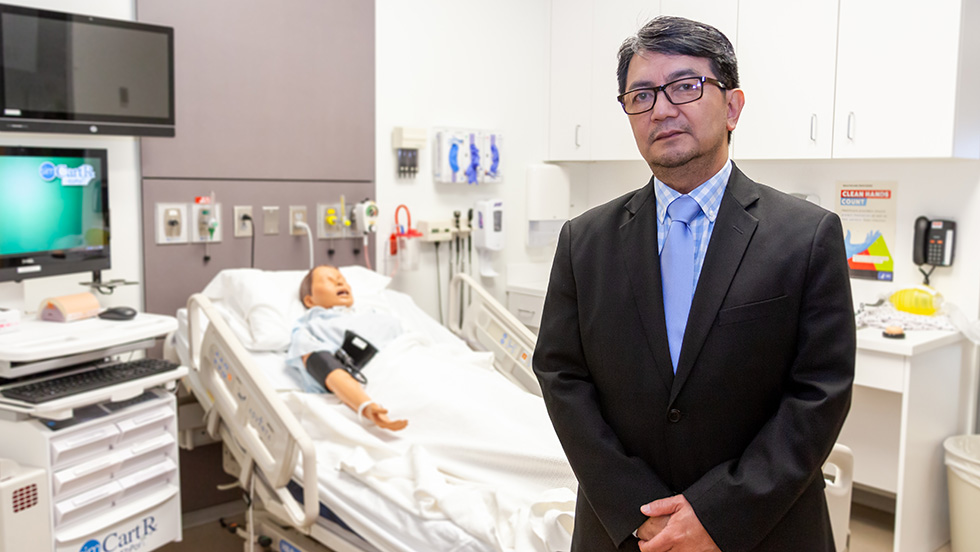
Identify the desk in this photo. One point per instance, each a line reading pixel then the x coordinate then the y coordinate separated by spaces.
pixel 909 396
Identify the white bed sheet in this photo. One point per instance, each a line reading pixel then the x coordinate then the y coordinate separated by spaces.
pixel 479 467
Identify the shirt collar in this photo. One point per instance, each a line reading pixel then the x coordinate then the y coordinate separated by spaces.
pixel 708 195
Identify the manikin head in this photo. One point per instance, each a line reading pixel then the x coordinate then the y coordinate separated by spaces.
pixel 324 286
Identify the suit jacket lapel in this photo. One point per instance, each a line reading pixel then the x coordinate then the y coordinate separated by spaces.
pixel 639 253
pixel 730 237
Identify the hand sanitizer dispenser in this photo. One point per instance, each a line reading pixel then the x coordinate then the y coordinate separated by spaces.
pixel 488 232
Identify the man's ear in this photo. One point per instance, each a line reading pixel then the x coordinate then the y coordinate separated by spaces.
pixel 308 301
pixel 734 109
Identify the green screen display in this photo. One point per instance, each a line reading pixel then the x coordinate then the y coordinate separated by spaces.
pixel 51 204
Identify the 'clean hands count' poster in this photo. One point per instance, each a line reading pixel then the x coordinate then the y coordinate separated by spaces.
pixel 867 211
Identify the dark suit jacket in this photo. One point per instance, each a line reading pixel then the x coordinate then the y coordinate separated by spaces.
pixel 763 382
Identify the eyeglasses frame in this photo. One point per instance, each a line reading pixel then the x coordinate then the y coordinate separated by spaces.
pixel 663 89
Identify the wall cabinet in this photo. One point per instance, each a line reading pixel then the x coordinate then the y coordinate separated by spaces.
pixel 721 14
pixel 586 121
pixel 858 79
pixel 906 79
pixel 571 80
pixel 823 79
pixel 789 91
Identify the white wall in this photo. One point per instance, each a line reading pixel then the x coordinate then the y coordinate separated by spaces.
pixel 124 190
pixel 470 64
pixel 943 189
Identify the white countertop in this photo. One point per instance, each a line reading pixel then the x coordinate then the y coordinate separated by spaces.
pixel 914 343
pixel 528 278
pixel 36 339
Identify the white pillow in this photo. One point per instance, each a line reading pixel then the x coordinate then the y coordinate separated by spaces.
pixel 267 302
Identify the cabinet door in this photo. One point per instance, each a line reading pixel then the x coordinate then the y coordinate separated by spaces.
pixel 571 86
pixel 611 131
pixel 786 59
pixel 896 78
pixel 721 14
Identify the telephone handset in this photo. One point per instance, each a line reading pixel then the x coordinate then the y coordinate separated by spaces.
pixel 933 243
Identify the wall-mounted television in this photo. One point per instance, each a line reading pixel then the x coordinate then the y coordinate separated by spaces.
pixel 54 212
pixel 69 73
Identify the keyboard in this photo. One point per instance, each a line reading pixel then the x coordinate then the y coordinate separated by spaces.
pixel 72 384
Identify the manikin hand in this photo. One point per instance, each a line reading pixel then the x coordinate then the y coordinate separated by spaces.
pixel 350 392
pixel 379 415
pixel 683 531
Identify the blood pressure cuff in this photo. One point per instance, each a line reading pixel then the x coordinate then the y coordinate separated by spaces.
pixel 358 350
pixel 320 364
pixel 352 356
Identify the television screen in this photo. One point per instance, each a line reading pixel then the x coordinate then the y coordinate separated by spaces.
pixel 54 211
pixel 61 72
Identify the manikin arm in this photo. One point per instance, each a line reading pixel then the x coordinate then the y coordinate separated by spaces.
pixel 350 392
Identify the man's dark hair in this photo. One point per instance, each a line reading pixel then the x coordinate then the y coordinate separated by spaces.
pixel 679 36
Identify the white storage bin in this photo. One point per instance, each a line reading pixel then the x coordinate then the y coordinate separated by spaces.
pixel 963 471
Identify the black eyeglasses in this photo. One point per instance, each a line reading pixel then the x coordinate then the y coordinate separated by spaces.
pixel 678 92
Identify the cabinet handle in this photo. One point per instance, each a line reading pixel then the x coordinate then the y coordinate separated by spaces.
pixel 577 144
pixel 88 470
pixel 850 125
pixel 525 313
pixel 86 500
pixel 813 127
pixel 150 418
pixel 87 439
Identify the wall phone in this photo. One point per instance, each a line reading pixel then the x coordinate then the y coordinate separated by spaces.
pixel 933 243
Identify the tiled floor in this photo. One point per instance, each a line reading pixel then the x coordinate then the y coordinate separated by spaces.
pixel 210 537
pixel 871 531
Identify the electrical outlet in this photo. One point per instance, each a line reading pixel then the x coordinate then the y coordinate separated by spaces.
pixel 243 228
pixel 297 213
pixel 270 219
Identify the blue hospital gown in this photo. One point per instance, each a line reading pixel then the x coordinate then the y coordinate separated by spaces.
pixel 322 329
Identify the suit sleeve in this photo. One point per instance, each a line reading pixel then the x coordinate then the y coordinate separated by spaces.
pixel 740 501
pixel 614 483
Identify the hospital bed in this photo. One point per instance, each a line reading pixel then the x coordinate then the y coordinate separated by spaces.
pixel 275 442
pixel 317 477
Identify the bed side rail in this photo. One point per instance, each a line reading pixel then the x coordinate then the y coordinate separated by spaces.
pixel 251 411
pixel 477 317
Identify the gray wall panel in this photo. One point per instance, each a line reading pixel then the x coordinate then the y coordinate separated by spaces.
pixel 268 89
pixel 173 272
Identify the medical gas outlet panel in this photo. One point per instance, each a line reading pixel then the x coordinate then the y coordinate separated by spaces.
pixel 188 223
pixel 200 222
pixel 112 476
pixel 340 220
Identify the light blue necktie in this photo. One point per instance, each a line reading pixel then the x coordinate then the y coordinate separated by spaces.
pixel 677 271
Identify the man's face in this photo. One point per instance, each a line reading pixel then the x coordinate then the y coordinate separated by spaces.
pixel 330 289
pixel 671 136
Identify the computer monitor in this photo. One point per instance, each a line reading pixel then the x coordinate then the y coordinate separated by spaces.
pixel 54 212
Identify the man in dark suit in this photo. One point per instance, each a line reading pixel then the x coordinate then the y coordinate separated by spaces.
pixel 697 413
